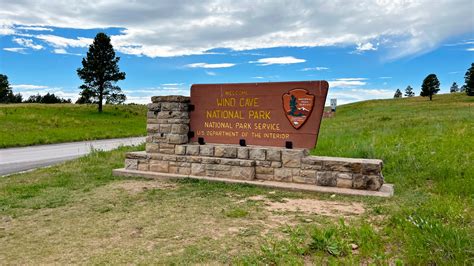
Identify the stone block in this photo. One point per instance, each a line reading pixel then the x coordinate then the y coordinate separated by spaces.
pixel 283 174
pixel 166 151
pixel 192 149
pixel 344 183
pixel 198 169
pixel 193 159
pixel 276 164
pixel 337 166
pixel 327 179
pixel 152 128
pixel 131 164
pixel 344 176
pixel 184 170
pixel 308 174
pixel 292 158
pixel 168 157
pixel 311 166
pixel 171 98
pixel 154 107
pixel 243 153
pixel 206 150
pixel 150 115
pixel 172 115
pixel 218 167
pixel 180 150
pixel 246 163
pixel 239 172
pixel 211 160
pixel 177 139
pixel 273 155
pixel 143 166
pixel 264 177
pixel 263 163
pixel 225 152
pixel 370 182
pixel 304 180
pixel 224 161
pixel 264 170
pixel 136 155
pixel 165 128
pixel 151 121
pixel 372 168
pixel 152 147
pixel 176 121
pixel 179 129
pixel 174 106
pixel 257 154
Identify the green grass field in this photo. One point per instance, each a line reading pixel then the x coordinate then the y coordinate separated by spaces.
pixel 31 124
pixel 78 212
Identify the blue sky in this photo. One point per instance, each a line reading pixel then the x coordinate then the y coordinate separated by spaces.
pixel 365 49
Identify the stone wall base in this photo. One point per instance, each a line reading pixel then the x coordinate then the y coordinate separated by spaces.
pixel 259 163
pixel 385 191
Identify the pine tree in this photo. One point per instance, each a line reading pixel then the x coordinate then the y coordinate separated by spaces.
pixel 454 88
pixel 430 86
pixel 100 71
pixel 6 93
pixel 469 78
pixel 398 94
pixel 293 105
pixel 409 91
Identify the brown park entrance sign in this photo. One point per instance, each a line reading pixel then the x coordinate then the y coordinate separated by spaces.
pixel 267 114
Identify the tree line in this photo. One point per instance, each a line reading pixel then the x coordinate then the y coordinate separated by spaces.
pixel 430 86
pixel 100 73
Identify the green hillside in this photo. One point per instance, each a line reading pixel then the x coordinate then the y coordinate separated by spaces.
pixel 31 124
pixel 78 213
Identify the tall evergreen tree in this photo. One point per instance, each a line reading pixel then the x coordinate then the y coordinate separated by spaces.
pixel 454 88
pixel 409 91
pixel 100 71
pixel 6 93
pixel 398 94
pixel 430 86
pixel 469 78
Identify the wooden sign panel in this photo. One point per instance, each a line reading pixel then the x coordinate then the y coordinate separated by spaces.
pixel 267 114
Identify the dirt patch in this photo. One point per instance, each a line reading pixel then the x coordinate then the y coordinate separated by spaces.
pixel 312 206
pixel 137 186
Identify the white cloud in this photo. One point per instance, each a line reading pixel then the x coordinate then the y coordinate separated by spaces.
pixel 206 65
pixel 345 96
pixel 60 51
pixel 470 49
pixel 174 28
pixel 33 28
pixel 28 87
pixel 284 60
pixel 211 73
pixel 6 29
pixel 258 77
pixel 28 43
pixel 365 47
pixel 63 51
pixel 172 84
pixel 347 82
pixel 385 77
pixel 314 68
pixel 20 50
pixel 62 42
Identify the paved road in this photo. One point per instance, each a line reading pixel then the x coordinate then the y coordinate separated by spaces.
pixel 13 160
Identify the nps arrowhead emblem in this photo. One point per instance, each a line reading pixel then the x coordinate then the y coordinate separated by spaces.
pixel 298 106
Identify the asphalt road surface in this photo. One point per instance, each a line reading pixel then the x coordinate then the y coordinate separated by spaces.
pixel 13 160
